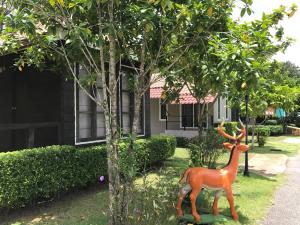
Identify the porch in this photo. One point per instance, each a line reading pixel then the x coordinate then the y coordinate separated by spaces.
pixel 179 120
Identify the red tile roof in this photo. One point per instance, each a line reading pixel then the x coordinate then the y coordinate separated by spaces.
pixel 185 96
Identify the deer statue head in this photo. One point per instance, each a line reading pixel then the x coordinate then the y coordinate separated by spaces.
pixel 235 141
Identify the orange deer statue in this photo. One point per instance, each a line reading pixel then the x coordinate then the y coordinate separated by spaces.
pixel 214 179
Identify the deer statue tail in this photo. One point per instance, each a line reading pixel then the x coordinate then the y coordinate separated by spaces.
pixel 184 176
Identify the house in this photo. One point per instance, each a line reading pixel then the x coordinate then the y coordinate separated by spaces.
pixel 179 118
pixel 39 108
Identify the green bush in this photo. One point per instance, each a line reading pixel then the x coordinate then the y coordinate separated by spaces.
pixel 271 122
pixel 230 127
pixel 206 150
pixel 275 130
pixel 40 173
pixel 262 131
pixel 267 130
pixel 161 148
pixel 182 142
pixel 261 141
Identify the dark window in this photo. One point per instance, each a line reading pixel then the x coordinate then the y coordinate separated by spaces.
pixel 187 115
pixel 90 117
pixel 163 110
pixel 196 106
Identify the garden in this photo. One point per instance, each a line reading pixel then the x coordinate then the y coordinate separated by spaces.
pixel 107 54
pixel 72 191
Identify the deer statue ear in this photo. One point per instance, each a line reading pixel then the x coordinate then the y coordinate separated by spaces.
pixel 228 146
pixel 243 147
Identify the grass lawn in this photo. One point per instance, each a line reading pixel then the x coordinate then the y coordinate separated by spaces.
pixel 253 196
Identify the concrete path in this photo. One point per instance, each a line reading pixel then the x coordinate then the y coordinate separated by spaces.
pixel 286 206
pixel 268 164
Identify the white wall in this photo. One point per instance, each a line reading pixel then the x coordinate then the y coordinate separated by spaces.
pixel 157 126
pixel 222 110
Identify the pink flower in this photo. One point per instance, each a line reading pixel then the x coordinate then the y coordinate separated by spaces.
pixel 101 179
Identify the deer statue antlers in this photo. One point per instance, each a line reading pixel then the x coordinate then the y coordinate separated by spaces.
pixel 214 179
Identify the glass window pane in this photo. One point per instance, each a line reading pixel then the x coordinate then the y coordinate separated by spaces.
pixel 126 123
pixel 125 102
pixel 163 111
pixel 100 125
pixel 187 116
pixel 84 125
pixel 124 82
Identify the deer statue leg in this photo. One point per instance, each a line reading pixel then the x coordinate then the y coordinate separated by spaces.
pixel 231 203
pixel 193 197
pixel 182 193
pixel 215 204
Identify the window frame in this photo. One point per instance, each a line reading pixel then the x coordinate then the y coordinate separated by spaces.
pixel 193 127
pixel 98 139
pixel 159 110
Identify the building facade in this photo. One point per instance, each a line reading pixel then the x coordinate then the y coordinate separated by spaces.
pixel 39 108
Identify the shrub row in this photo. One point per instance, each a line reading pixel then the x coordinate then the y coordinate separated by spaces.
pixel 271 122
pixel 267 130
pixel 34 174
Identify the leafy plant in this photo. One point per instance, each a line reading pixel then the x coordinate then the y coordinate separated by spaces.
pixel 152 199
pixel 261 141
pixel 182 142
pixel 230 127
pixel 206 150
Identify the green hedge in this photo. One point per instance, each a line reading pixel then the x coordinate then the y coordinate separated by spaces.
pixel 276 130
pixel 34 174
pixel 267 130
pixel 262 131
pixel 271 122
pixel 182 142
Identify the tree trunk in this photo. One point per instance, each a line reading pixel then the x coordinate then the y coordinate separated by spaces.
pixel 112 137
pixel 201 111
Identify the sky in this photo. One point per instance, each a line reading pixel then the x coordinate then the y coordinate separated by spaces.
pixel 291 25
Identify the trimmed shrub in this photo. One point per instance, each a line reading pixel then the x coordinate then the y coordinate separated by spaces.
pixel 182 142
pixel 267 130
pixel 41 173
pixel 275 130
pixel 262 131
pixel 34 174
pixel 261 141
pixel 161 148
pixel 271 122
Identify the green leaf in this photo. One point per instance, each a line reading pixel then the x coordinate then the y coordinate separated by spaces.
pixel 52 2
pixel 243 12
pixel 72 4
pixel 249 11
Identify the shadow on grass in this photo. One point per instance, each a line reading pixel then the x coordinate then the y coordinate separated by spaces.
pixel 40 209
pixel 243 219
